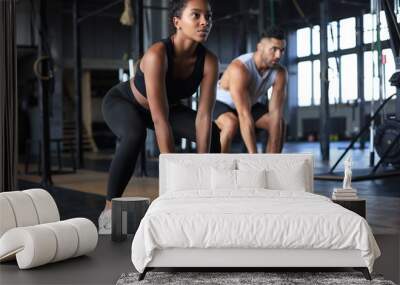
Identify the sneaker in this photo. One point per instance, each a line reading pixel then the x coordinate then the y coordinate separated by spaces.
pixel 105 222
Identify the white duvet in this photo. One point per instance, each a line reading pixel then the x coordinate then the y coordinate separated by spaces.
pixel 250 219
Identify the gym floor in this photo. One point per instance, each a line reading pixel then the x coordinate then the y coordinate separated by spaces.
pixel 110 260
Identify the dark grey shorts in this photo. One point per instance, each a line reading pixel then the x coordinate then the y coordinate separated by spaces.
pixel 257 111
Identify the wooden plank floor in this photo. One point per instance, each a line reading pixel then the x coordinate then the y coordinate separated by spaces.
pixel 95 182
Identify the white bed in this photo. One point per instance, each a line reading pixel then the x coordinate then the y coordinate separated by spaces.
pixel 203 219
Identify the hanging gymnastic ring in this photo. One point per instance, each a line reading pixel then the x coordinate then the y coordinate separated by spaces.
pixel 36 68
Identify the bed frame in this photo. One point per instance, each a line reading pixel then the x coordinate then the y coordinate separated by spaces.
pixel 242 259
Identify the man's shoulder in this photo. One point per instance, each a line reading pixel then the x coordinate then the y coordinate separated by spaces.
pixel 281 71
pixel 280 68
pixel 238 68
pixel 245 57
pixel 238 72
pixel 281 75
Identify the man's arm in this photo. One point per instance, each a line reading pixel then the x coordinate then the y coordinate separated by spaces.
pixel 238 87
pixel 275 113
pixel 206 103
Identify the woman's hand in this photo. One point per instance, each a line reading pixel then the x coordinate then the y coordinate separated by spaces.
pixel 206 103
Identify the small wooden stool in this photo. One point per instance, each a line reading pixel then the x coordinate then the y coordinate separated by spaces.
pixel 127 212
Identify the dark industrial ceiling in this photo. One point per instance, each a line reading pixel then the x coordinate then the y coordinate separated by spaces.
pixel 289 14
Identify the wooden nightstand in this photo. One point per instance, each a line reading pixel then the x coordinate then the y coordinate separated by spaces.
pixel 357 206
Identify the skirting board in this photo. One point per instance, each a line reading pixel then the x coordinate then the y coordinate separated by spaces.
pixel 177 257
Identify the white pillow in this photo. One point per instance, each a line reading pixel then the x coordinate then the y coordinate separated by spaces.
pixel 192 176
pixel 223 179
pixel 183 177
pixel 293 179
pixel 282 174
pixel 251 178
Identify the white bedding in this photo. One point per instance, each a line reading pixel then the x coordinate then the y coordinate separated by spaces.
pixel 252 218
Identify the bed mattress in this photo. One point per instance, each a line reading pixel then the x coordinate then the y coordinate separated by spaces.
pixel 251 219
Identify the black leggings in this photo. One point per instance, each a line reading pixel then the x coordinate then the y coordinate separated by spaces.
pixel 128 121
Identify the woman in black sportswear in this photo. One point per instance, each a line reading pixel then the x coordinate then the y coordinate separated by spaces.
pixel 169 71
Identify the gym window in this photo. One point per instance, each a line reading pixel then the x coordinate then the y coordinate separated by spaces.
pixel 332 34
pixel 303 42
pixel 369 28
pixel 304 83
pixel 309 83
pixel 347 33
pixel 371 82
pixel 315 40
pixel 348 73
pixel 333 76
pixel 343 61
pixel 308 44
pixel 316 82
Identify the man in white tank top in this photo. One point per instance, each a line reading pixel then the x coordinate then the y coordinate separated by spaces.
pixel 245 80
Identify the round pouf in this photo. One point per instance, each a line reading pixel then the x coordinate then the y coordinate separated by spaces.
pixel 127 212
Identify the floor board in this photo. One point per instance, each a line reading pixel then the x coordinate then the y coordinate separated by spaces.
pixel 110 259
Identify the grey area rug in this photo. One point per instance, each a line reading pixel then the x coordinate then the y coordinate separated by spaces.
pixel 229 278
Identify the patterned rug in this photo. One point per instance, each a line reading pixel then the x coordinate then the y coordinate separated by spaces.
pixel 242 278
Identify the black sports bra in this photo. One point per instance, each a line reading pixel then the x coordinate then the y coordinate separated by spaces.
pixel 177 89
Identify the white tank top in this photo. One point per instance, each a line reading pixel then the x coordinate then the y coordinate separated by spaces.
pixel 258 86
